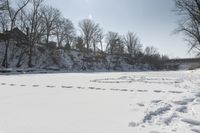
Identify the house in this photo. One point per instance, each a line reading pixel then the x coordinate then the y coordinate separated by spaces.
pixel 15 35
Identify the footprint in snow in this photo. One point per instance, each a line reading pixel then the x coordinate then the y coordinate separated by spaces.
pixel 191 122
pixel 176 92
pixel 80 87
pixel 142 90
pixel 140 104
pixel 195 130
pixel 98 88
pixel 35 85
pixel 154 132
pixel 189 99
pixel 197 95
pixel 182 109
pixel 184 101
pixel 180 102
pixel 22 85
pixel 149 116
pixel 114 89
pixel 92 88
pixel 156 101
pixel 3 83
pixel 169 119
pixel 133 124
pixel 158 91
pixel 48 86
pixel 12 84
pixel 123 90
pixel 66 86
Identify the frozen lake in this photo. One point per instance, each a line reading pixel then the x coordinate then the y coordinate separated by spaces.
pixel 126 102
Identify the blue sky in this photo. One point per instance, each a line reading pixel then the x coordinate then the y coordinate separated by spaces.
pixel 152 20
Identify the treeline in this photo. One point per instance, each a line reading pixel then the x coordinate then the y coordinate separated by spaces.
pixel 31 24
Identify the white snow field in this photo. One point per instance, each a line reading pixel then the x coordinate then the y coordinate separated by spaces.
pixel 124 102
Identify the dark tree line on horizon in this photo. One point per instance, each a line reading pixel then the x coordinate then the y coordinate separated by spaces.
pixel 44 24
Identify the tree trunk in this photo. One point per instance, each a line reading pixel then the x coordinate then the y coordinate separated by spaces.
pixel 87 48
pixel 30 57
pixel 101 46
pixel 20 59
pixel 94 49
pixel 47 39
pixel 5 59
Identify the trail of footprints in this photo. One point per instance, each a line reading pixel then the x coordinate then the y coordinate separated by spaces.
pixel 90 88
pixel 177 107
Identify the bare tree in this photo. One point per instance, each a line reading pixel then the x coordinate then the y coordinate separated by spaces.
pixel 97 38
pixel 114 43
pixel 153 58
pixel 64 31
pixel 12 13
pixel 190 23
pixel 50 17
pixel 88 29
pixel 101 37
pixel 2 5
pixel 111 38
pixel 150 51
pixel 79 44
pixel 35 27
pixel 132 43
pixel 4 21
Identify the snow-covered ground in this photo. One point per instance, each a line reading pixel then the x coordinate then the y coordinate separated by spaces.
pixel 140 102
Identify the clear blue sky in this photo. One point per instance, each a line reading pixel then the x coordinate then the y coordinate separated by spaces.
pixel 152 20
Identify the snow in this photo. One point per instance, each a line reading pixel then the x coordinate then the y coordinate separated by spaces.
pixel 115 102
